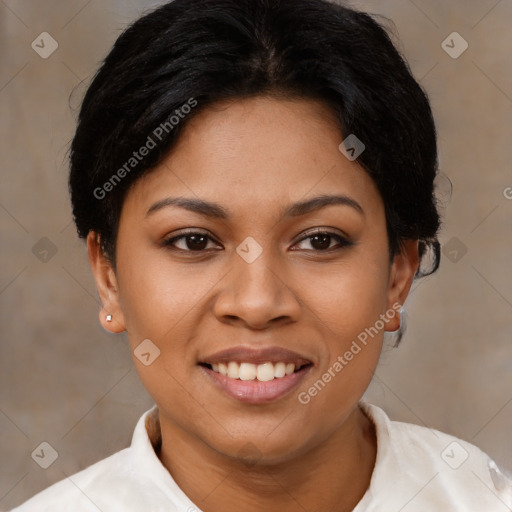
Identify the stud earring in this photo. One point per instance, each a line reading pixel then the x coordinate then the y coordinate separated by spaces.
pixel 109 318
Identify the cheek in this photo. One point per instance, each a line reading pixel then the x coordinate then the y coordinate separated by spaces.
pixel 156 295
pixel 347 306
pixel 347 302
pixel 161 303
pixel 349 296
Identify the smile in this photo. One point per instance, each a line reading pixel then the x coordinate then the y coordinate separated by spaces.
pixel 248 371
pixel 256 376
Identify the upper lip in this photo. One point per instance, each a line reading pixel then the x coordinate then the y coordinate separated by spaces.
pixel 257 356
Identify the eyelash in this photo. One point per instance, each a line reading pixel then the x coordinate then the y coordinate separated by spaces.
pixel 342 241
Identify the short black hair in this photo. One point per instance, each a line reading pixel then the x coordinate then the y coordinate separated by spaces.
pixel 189 54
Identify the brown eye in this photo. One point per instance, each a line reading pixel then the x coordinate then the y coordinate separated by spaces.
pixel 196 242
pixel 190 242
pixel 322 241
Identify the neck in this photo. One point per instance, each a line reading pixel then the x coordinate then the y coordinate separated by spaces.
pixel 333 475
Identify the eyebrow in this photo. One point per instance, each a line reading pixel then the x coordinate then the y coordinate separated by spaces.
pixel 214 210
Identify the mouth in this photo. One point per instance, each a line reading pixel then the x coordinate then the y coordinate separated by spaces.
pixel 256 376
pixel 264 372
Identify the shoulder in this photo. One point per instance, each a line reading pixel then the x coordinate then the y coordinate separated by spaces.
pixel 125 480
pixel 429 467
pixel 83 491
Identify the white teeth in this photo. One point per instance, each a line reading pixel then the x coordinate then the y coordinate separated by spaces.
pixel 248 371
pixel 233 370
pixel 280 370
pixel 265 372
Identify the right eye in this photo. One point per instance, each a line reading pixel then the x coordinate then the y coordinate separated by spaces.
pixel 192 241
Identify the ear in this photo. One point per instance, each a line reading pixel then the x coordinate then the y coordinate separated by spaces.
pixel 404 267
pixel 106 283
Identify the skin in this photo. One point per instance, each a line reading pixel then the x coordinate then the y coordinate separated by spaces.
pixel 255 157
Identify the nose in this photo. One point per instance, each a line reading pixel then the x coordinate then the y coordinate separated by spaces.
pixel 256 295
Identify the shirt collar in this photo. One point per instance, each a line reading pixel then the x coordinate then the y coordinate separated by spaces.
pixel 147 441
pixel 386 461
pixel 155 479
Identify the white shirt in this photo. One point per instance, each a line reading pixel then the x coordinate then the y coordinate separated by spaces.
pixel 416 470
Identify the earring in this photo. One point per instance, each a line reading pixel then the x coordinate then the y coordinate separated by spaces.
pixel 108 318
pixel 401 313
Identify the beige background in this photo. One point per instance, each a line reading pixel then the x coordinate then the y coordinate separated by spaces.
pixel 65 381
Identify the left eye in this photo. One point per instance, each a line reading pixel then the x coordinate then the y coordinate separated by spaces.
pixel 321 241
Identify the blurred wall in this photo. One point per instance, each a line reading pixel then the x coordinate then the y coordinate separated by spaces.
pixel 63 380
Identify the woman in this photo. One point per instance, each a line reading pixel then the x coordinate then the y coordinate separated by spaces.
pixel 254 179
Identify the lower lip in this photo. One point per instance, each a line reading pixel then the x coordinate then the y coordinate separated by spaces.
pixel 254 391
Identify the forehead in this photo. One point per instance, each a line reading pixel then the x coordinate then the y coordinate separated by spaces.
pixel 258 151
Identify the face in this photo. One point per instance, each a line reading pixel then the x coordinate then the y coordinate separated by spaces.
pixel 257 249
